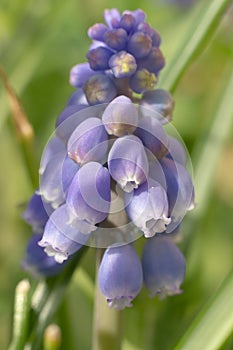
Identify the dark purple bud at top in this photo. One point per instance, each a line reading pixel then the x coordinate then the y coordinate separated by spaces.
pixel 122 64
pixel 112 17
pixel 97 31
pixel 116 38
pixel 98 58
pixel 139 16
pixel 156 39
pixel 37 213
pixel 37 263
pixel 80 73
pixel 127 22
pixel 153 136
pixel 100 89
pixel 140 45
pixel 88 142
pixel 60 238
pixel 163 267
pixel 154 62
pixel 142 81
pixel 159 103
pixel 89 193
pixel 148 208
pixel 120 276
pixel 128 163
pixel 120 117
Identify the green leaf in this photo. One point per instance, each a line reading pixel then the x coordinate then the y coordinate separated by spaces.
pixel 214 324
pixel 201 29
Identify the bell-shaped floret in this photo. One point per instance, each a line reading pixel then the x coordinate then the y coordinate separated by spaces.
pixel 97 31
pixel 147 207
pixel 128 163
pixel 77 98
pixel 88 142
pixel 89 193
pixel 120 117
pixel 37 263
pixel 163 267
pixel 61 237
pixel 176 151
pixel 179 188
pixel 120 276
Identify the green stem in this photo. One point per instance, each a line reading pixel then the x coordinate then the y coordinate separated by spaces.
pixel 50 298
pixel 107 323
pixel 201 29
pixel 21 315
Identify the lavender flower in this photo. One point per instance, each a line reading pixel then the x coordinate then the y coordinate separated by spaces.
pixel 120 276
pixel 120 117
pixel 148 208
pixel 127 162
pixel 37 263
pixel 88 142
pixel 163 267
pixel 61 238
pixel 89 193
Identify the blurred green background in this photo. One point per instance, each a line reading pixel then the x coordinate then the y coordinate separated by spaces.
pixel 39 42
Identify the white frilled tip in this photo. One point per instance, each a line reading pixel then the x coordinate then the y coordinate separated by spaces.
pixel 153 226
pixel 58 255
pixel 128 185
pixel 120 303
pixel 166 291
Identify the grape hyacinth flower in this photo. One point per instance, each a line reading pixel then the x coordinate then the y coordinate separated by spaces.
pixel 120 276
pixel 163 267
pixel 37 263
pixel 111 157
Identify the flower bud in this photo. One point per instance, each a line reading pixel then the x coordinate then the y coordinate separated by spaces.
pixel 80 73
pixel 112 17
pixel 116 39
pixel 139 45
pixel 154 62
pixel 99 89
pixel 163 267
pixel 98 58
pixel 123 64
pixel 97 31
pixel 120 276
pixel 142 81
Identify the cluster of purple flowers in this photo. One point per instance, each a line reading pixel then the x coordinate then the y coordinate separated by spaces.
pixel 110 173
